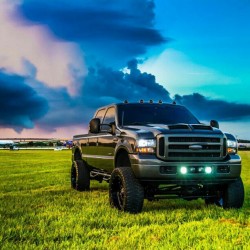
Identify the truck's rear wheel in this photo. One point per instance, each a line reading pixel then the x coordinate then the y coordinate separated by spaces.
pixel 125 191
pixel 80 177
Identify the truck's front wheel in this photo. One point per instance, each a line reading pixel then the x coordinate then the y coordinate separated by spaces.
pixel 125 191
pixel 80 177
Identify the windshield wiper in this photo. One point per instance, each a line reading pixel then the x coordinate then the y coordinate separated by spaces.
pixel 137 123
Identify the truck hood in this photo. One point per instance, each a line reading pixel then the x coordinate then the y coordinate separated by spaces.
pixel 152 130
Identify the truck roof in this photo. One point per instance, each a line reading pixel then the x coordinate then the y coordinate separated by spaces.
pixel 139 103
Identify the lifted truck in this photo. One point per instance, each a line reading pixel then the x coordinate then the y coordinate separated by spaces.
pixel 157 150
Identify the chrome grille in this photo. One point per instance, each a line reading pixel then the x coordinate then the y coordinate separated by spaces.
pixel 193 147
pixel 193 139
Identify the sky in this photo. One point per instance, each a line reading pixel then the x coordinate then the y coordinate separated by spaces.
pixel 60 60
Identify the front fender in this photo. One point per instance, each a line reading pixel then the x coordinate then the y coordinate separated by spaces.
pixel 127 144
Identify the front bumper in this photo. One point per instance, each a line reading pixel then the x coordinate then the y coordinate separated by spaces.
pixel 149 168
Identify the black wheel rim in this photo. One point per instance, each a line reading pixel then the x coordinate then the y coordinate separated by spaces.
pixel 118 192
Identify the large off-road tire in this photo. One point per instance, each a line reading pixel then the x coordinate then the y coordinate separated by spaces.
pixel 80 177
pixel 125 191
pixel 233 195
pixel 230 196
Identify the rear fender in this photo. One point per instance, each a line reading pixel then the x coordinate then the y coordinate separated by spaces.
pixel 76 154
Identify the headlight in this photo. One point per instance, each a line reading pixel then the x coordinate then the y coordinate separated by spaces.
pixel 231 147
pixel 146 143
pixel 146 146
pixel 231 144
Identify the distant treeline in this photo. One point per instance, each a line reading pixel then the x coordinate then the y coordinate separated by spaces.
pixel 39 144
pixel 243 141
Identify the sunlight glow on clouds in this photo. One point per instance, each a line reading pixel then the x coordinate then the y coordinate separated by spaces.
pixel 38 132
pixel 181 76
pixel 52 58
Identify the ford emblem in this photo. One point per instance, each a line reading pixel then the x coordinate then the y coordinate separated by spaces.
pixel 195 147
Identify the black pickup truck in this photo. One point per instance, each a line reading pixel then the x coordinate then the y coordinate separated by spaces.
pixel 157 150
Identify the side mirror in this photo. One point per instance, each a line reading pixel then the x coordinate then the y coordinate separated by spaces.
pixel 214 124
pixel 94 125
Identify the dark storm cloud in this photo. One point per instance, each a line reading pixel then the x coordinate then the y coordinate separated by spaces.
pixel 20 105
pixel 207 109
pixel 114 30
pixel 119 86
pixel 100 87
pixel 104 85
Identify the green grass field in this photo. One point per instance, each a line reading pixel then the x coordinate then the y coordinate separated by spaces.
pixel 39 210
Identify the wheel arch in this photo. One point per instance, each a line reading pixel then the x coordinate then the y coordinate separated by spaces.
pixel 77 154
pixel 122 158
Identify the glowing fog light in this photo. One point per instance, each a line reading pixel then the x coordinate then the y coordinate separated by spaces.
pixel 183 170
pixel 208 170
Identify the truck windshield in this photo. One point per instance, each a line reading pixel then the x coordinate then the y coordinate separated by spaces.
pixel 140 114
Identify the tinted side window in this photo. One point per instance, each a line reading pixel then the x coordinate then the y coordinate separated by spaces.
pixel 109 118
pixel 100 114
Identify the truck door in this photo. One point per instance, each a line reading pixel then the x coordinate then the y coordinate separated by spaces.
pixel 91 147
pixel 106 142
